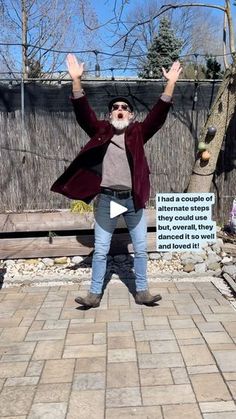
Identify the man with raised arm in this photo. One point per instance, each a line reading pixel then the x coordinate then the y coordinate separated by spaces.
pixel 113 167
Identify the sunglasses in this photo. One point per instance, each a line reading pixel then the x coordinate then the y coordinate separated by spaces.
pixel 123 107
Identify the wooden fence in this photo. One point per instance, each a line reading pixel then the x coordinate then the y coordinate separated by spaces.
pixel 33 157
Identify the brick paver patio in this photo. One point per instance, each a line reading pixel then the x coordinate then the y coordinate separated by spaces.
pixel 175 360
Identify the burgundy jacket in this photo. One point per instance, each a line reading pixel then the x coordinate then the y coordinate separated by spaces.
pixel 81 180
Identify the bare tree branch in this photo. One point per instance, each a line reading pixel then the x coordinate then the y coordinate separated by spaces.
pixel 94 28
pixel 164 9
pixel 48 25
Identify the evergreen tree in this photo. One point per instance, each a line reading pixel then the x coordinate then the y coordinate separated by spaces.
pixel 213 68
pixel 193 71
pixel 34 68
pixel 164 49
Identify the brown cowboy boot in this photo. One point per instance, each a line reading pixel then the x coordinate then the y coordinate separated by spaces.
pixel 144 297
pixel 91 300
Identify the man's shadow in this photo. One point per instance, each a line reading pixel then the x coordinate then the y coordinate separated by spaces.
pixel 126 274
pixel 2 273
pixel 123 266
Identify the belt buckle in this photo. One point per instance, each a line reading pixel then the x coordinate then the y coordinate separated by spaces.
pixel 124 194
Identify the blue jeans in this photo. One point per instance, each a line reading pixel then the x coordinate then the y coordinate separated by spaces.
pixel 104 228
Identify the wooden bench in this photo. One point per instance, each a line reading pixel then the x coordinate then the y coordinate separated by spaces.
pixel 61 233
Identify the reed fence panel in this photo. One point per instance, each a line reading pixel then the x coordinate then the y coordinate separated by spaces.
pixel 33 155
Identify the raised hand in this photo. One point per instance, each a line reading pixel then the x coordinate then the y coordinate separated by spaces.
pixel 75 68
pixel 173 73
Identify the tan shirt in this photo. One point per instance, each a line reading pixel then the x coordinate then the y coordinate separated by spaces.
pixel 115 169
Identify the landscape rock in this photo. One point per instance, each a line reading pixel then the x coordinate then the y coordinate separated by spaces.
pixel 226 260
pixel 167 256
pixel 210 261
pixel 77 260
pixel 200 267
pixel 154 256
pixel 48 261
pixel 212 258
pixel 31 261
pixel 230 270
pixel 189 267
pixel 61 260
pixel 215 266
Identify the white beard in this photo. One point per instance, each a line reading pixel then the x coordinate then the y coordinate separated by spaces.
pixel 119 124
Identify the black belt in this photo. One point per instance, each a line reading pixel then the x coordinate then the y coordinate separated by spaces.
pixel 116 193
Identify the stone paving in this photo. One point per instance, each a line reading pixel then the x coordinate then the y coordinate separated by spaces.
pixel 175 360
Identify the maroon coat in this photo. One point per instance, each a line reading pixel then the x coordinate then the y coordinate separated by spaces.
pixel 82 178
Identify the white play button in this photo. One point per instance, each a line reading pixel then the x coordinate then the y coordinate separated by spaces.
pixel 116 209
